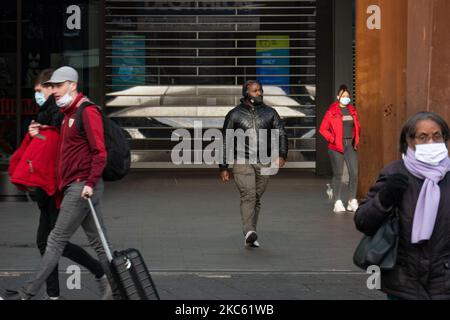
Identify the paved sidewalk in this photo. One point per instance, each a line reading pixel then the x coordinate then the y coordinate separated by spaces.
pixel 187 226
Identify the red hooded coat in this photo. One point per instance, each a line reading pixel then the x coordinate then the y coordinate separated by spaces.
pixel 34 163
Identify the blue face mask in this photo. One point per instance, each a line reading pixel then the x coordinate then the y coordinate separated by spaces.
pixel 345 101
pixel 40 98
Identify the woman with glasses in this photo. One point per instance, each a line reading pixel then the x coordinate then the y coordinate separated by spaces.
pixel 419 187
pixel 340 127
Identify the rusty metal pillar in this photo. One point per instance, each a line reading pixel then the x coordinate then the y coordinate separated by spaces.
pixel 420 14
pixel 439 100
pixel 428 81
pixel 428 70
pixel 401 68
pixel 381 51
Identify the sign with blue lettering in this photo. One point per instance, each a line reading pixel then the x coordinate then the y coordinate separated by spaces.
pixel 273 60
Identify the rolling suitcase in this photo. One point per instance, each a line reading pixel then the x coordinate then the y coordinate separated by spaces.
pixel 129 270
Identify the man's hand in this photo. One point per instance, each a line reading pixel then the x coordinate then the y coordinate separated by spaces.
pixel 225 175
pixel 281 162
pixel 33 128
pixel 87 192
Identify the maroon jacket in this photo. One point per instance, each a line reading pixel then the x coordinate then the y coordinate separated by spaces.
pixel 81 157
pixel 332 127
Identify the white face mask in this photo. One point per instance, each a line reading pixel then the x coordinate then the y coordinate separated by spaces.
pixel 431 153
pixel 65 100
pixel 345 101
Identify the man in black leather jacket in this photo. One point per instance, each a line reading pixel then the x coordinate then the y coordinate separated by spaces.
pixel 252 115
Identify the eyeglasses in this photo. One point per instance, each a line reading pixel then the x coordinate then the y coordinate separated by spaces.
pixel 424 138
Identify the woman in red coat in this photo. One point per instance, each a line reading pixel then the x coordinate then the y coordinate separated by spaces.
pixel 340 127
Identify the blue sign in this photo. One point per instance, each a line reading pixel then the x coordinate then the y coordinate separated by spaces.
pixel 128 61
pixel 273 51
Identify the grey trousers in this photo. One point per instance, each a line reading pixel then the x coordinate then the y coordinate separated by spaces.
pixel 74 213
pixel 251 185
pixel 350 158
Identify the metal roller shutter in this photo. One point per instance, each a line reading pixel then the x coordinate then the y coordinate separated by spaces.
pixel 170 63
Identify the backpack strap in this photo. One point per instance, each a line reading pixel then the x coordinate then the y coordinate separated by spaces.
pixel 78 115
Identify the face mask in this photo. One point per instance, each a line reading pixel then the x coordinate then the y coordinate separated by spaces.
pixel 65 100
pixel 431 153
pixel 345 101
pixel 40 98
pixel 256 101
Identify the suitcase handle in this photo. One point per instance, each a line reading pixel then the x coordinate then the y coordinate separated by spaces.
pixel 100 231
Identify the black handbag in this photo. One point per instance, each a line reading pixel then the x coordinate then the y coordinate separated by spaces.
pixel 381 248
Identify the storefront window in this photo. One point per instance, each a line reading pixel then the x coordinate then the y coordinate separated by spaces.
pixel 8 59
pixel 60 33
pixel 54 33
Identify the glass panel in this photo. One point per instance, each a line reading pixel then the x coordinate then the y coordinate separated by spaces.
pixel 67 36
pixel 53 34
pixel 8 20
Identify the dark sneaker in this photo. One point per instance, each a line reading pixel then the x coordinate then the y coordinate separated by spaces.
pixel 255 244
pixel 250 238
pixel 47 297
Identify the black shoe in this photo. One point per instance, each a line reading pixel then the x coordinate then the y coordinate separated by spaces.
pixel 255 244
pixel 47 297
pixel 250 238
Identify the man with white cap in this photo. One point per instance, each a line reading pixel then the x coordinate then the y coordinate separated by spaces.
pixel 81 160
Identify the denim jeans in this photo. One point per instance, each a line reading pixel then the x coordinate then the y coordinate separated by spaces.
pixel 47 221
pixel 74 213
pixel 349 158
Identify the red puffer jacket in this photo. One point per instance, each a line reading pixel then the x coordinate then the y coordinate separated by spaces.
pixel 34 163
pixel 332 127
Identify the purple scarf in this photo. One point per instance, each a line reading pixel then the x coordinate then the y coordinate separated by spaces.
pixel 430 194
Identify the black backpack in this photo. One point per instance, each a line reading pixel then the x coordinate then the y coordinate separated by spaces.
pixel 116 143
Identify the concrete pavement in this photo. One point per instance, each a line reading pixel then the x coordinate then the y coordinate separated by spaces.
pixel 187 226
